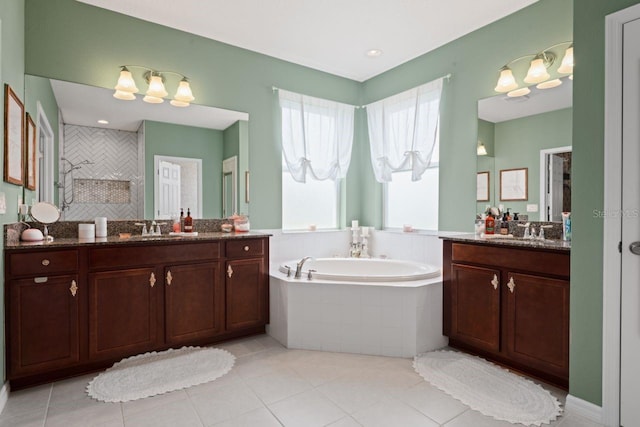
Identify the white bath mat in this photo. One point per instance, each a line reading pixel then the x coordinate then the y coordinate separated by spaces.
pixel 487 388
pixel 154 373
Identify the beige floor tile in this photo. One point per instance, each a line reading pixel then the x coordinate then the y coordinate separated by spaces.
pixel 278 385
pixel 33 419
pixel 28 400
pixel 432 402
pixel 132 407
pixel 84 413
pixel 572 420
pixel 352 395
pixel 227 379
pixel 391 412
pixel 308 409
pixel 69 390
pixel 345 422
pixel 257 418
pixel 225 403
pixel 180 413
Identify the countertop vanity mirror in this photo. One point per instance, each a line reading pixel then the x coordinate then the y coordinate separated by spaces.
pixel 531 132
pixel 101 156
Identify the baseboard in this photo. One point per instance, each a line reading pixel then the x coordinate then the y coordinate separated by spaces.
pixel 4 396
pixel 583 408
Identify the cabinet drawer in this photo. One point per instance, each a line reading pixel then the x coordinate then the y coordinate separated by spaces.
pixel 152 254
pixel 43 263
pixel 245 248
pixel 547 263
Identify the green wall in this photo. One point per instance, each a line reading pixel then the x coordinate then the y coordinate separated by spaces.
pixel 473 61
pixel 72 41
pixel 169 139
pixel 37 89
pixel 587 195
pixel 11 72
pixel 517 145
pixel 236 143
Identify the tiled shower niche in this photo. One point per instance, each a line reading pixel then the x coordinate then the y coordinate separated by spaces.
pixel 110 180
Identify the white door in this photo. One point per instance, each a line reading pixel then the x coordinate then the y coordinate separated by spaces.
pixel 169 183
pixel 555 186
pixel 630 291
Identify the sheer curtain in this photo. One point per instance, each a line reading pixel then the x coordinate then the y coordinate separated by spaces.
pixel 403 131
pixel 317 136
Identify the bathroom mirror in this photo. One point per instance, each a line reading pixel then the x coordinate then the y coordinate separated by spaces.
pixel 96 156
pixel 533 132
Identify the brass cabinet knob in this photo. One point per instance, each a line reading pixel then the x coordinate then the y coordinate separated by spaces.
pixel 73 288
pixel 511 285
pixel 495 281
pixel 229 271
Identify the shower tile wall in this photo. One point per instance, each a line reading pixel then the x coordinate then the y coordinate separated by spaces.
pixel 114 154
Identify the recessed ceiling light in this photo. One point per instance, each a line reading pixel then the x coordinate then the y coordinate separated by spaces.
pixel 103 122
pixel 372 53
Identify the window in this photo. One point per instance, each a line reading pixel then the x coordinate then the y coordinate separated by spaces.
pixel 317 136
pixel 412 202
pixel 311 202
pixel 404 137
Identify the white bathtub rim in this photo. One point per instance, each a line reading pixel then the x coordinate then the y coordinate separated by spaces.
pixel 363 278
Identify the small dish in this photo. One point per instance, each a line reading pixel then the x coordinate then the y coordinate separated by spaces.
pixel 125 235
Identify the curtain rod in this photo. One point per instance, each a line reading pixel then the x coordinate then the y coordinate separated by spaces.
pixel 447 77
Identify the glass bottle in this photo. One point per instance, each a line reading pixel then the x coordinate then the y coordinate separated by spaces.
pixel 188 222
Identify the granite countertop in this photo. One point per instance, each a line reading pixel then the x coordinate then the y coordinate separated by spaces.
pixel 553 244
pixel 134 239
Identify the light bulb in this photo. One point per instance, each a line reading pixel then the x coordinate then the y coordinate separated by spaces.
pixel 125 96
pixel 153 99
pixel 126 82
pixel 549 84
pixel 156 87
pixel 567 62
pixel 537 72
pixel 519 92
pixel 482 150
pixel 506 81
pixel 184 94
pixel 177 103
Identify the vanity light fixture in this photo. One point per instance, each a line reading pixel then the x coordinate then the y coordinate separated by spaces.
pixel 482 150
pixel 126 87
pixel 538 72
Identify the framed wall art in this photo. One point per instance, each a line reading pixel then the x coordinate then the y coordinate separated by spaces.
pixel 482 187
pixel 13 137
pixel 513 184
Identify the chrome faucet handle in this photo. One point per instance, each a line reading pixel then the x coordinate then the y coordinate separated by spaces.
pixel 288 270
pixel 310 274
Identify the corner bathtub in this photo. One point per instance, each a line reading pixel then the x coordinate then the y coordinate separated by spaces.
pixel 352 305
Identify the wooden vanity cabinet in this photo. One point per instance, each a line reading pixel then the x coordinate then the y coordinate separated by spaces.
pixel 510 305
pixel 245 285
pixel 70 311
pixel 43 311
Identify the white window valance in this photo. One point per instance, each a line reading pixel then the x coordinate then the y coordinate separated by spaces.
pixel 403 131
pixel 317 135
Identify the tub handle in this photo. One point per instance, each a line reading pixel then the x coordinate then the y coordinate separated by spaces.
pixel 288 270
pixel 495 282
pixel 310 274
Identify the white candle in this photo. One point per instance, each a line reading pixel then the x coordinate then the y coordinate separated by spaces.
pixel 354 223
pixel 365 231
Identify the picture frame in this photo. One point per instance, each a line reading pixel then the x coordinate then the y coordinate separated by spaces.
pixel 482 186
pixel 514 185
pixel 32 157
pixel 13 137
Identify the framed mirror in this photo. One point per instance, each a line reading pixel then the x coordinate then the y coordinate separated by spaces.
pixel 531 132
pixel 106 149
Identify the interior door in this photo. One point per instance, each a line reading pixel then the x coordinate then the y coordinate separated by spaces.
pixel 169 180
pixel 630 291
pixel 555 187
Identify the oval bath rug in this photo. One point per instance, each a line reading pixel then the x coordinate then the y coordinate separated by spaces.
pixel 488 388
pixel 154 373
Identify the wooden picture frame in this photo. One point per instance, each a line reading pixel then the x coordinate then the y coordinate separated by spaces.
pixel 482 186
pixel 32 155
pixel 13 137
pixel 514 185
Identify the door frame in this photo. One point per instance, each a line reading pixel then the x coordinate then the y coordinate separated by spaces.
pixel 612 230
pixel 43 128
pixel 544 175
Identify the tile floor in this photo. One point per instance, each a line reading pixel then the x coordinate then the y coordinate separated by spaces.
pixel 269 386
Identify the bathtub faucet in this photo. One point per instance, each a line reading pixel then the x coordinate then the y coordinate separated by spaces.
pixel 299 267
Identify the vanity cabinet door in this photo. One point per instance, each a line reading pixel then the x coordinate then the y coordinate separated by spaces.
pixel 193 302
pixel 475 306
pixel 43 324
pixel 538 322
pixel 123 312
pixel 246 293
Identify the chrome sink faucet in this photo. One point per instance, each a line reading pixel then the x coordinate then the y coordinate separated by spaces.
pixel 299 267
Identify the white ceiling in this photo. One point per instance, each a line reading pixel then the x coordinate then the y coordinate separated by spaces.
pixel 84 105
pixel 501 108
pixel 327 35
